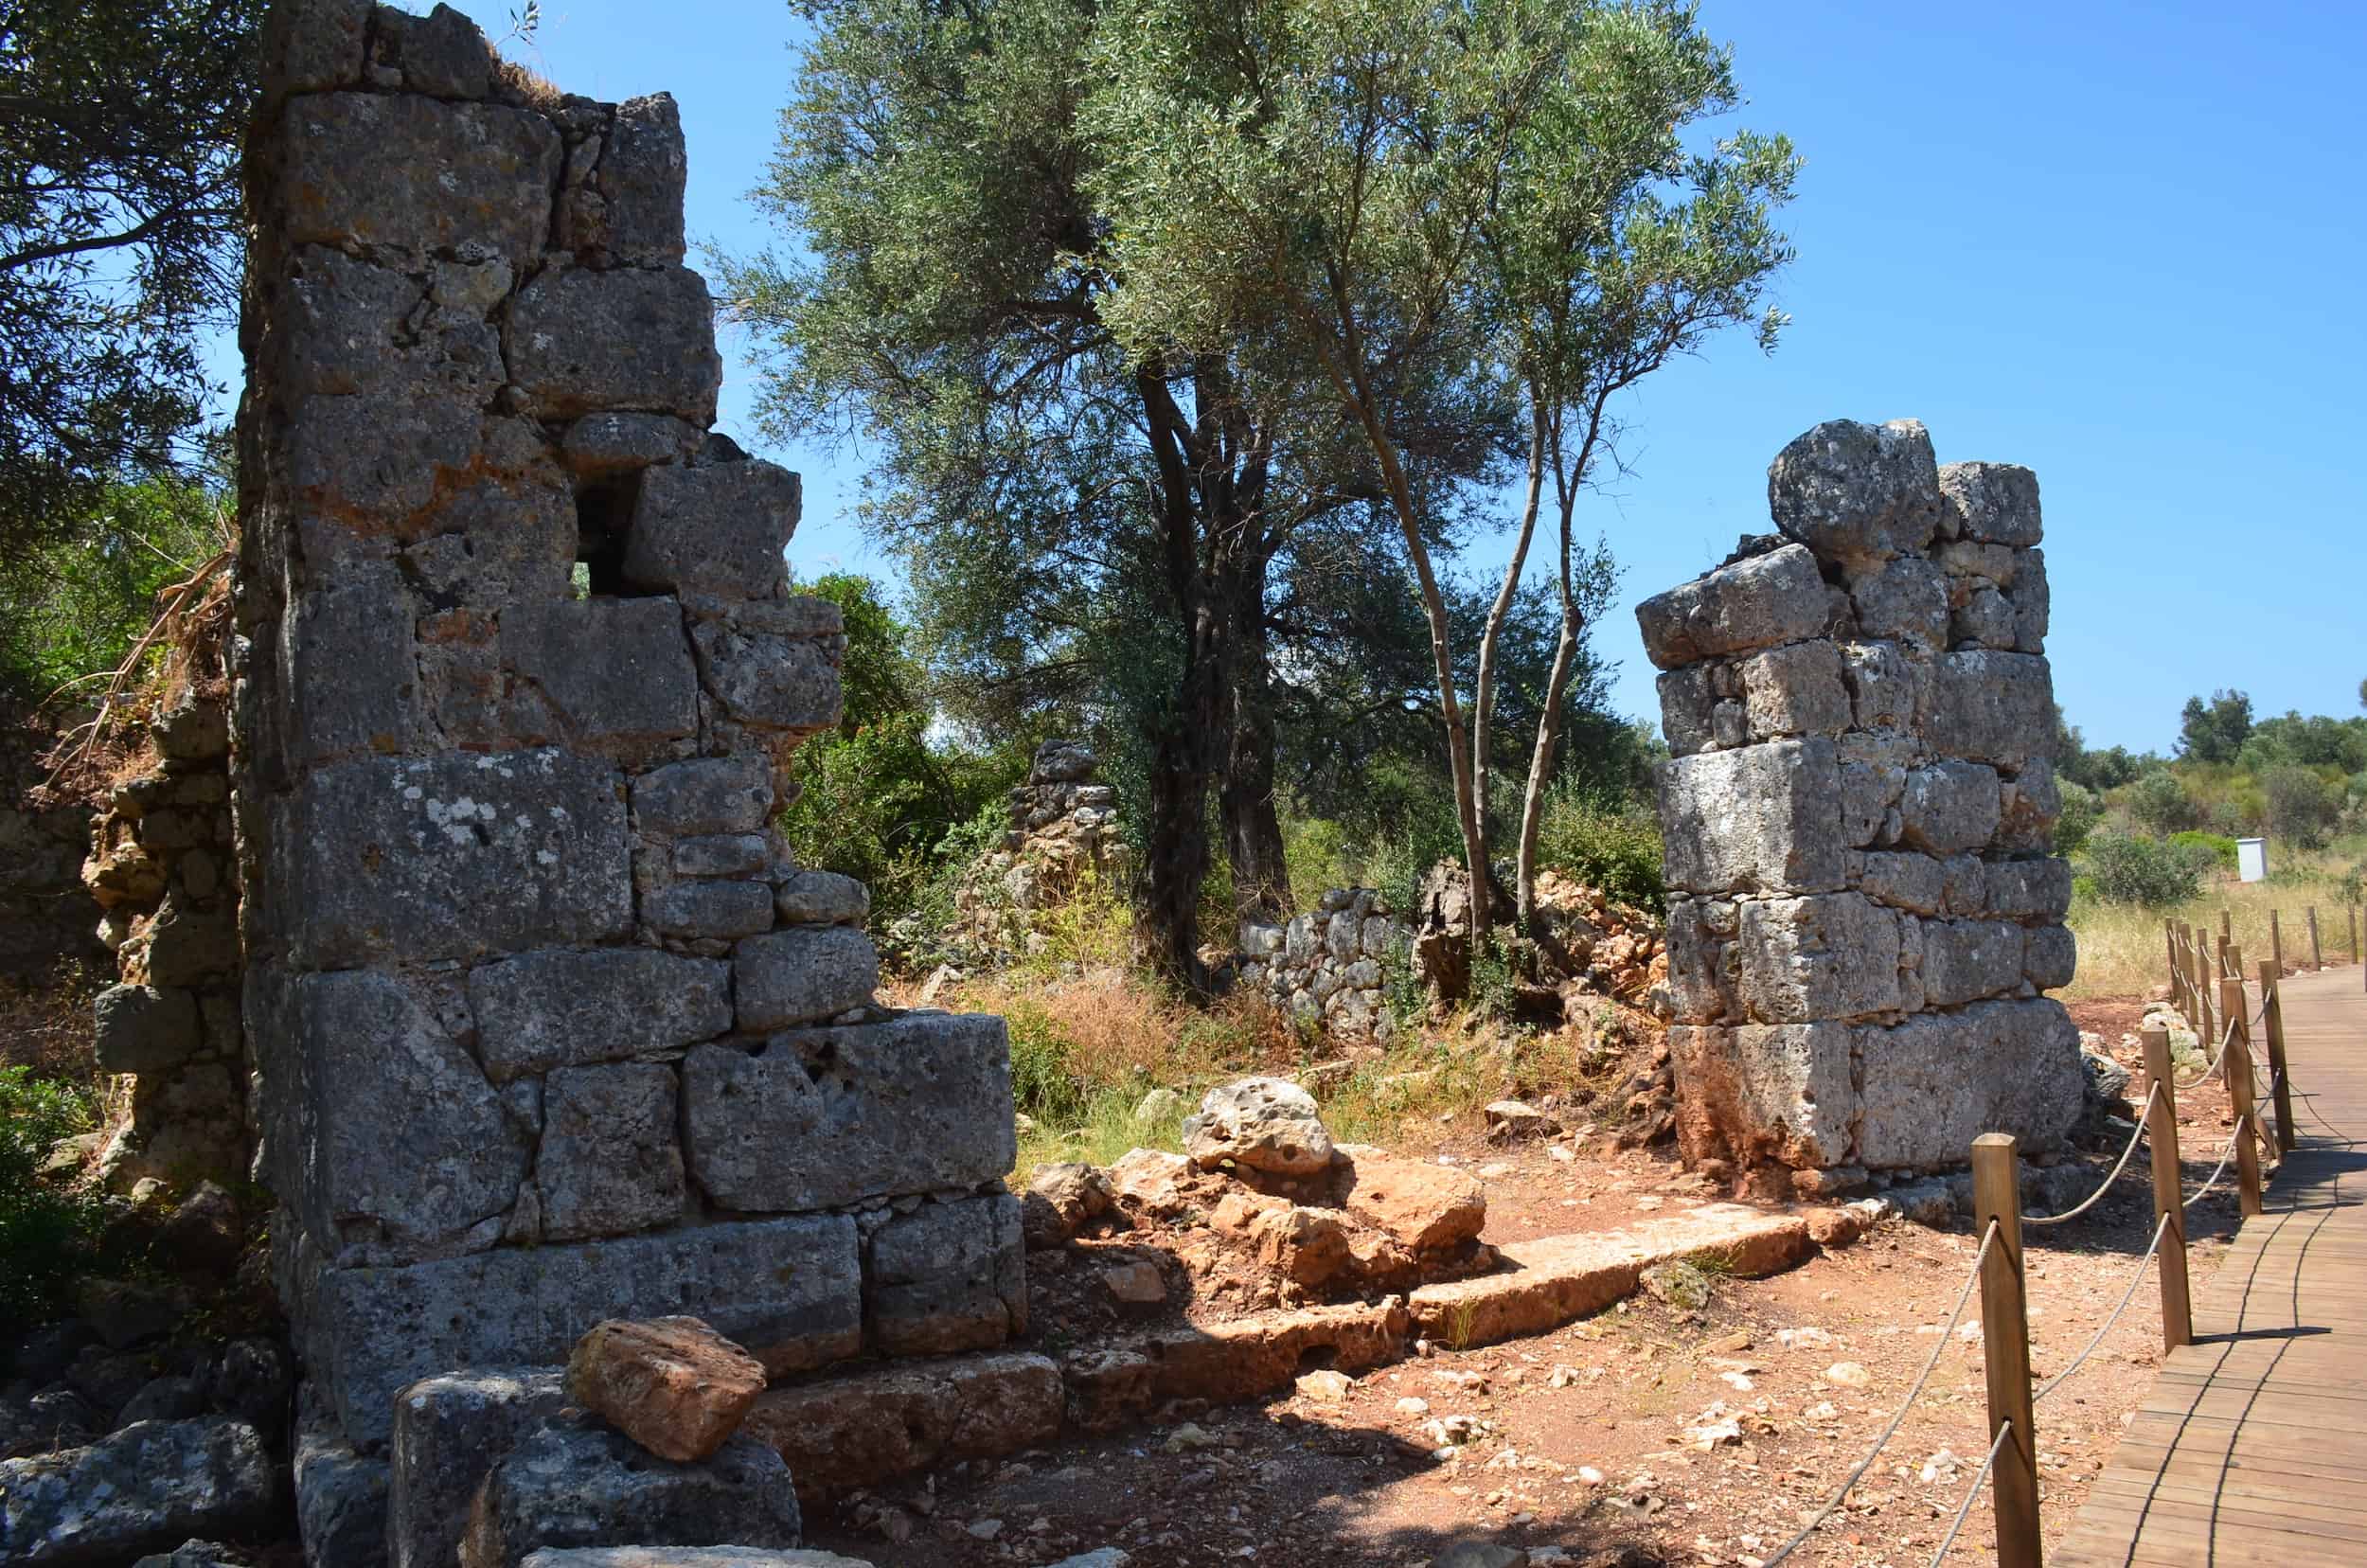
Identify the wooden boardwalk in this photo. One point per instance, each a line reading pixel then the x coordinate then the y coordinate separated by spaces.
pixel 2252 1445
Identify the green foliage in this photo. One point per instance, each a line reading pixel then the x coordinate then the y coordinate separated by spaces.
pixel 1044 1084
pixel 2302 807
pixel 1615 847
pixel 47 1229
pixel 2082 810
pixel 2214 849
pixel 120 123
pixel 2159 803
pixel 72 606
pixel 2143 871
pixel 2216 730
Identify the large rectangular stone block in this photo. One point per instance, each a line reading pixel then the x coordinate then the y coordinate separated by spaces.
pixel 714 528
pixel 706 795
pixel 565 1008
pixel 801 976
pixel 788 1290
pixel 817 1118
pixel 404 173
pixel 639 338
pixel 607 670
pixel 1829 955
pixel 1937 1081
pixel 1763 818
pixel 1795 689
pixel 449 857
pixel 450 1429
pixel 769 681
pixel 1992 707
pixel 1963 960
pixel 946 1277
pixel 1949 806
pixel 1757 602
pixel 610 1160
pixel 1780 1091
pixel 386 1136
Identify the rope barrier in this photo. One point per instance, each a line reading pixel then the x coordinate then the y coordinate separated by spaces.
pixel 2229 1154
pixel 1980 1256
pixel 2136 1279
pixel 2005 1430
pixel 2135 1134
pixel 2227 1038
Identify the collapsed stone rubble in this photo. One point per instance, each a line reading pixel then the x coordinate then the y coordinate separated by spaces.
pixel 1062 839
pixel 1864 914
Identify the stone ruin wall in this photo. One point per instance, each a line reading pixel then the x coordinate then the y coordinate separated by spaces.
pixel 1864 910
pixel 1329 967
pixel 1064 834
pixel 548 1025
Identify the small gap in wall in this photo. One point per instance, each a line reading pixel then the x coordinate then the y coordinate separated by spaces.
pixel 604 515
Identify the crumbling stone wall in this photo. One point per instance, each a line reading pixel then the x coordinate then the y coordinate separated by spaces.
pixel 163 866
pixel 1063 835
pixel 1863 909
pixel 1329 967
pixel 549 1026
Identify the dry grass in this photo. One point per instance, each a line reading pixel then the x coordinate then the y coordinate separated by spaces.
pixel 2121 952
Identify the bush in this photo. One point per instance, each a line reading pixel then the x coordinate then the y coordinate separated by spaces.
pixel 2219 849
pixel 2159 803
pixel 1615 847
pixel 2143 871
pixel 1043 1084
pixel 46 1228
pixel 2082 810
pixel 2302 807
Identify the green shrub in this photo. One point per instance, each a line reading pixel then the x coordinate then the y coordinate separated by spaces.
pixel 2082 810
pixel 1613 846
pixel 2302 807
pixel 2217 846
pixel 2144 871
pixel 1045 1082
pixel 46 1228
pixel 2159 803
pixel 74 608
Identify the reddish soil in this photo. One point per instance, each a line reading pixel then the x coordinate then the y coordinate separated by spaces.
pixel 1582 1441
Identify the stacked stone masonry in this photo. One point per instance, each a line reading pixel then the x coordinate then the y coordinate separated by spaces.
pixel 1329 967
pixel 1864 910
pixel 1063 837
pixel 549 1025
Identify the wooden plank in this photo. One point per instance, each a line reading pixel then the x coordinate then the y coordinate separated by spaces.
pixel 2250 1444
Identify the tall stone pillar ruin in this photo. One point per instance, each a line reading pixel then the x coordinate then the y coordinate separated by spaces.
pixel 1864 913
pixel 548 1025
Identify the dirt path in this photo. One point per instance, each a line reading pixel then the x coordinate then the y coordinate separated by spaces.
pixel 1644 1434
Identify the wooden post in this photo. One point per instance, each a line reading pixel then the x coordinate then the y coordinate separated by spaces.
pixel 2236 961
pixel 2207 1035
pixel 2276 942
pixel 2178 1311
pixel 2005 1348
pixel 2227 924
pixel 2272 1023
pixel 2316 962
pixel 2169 938
pixel 2240 1093
pixel 2219 959
pixel 2353 912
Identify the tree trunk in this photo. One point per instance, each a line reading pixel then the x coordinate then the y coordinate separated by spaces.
pixel 1483 689
pixel 1253 828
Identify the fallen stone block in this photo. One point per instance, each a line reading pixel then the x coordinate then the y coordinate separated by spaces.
pixel 576 1482
pixel 673 1385
pixel 861 1429
pixel 449 1431
pixel 1265 1124
pixel 341 1496
pixel 1557 1279
pixel 146 1487
pixel 1427 1208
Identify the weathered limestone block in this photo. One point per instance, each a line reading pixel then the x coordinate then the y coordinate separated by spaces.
pixel 1903 600
pixel 630 209
pixel 389 1135
pixel 602 444
pixel 451 856
pixel 1855 492
pixel 1873 782
pixel 2028 804
pixel 2034 604
pixel 1795 690
pixel 726 855
pixel 2029 889
pixel 1782 1091
pixel 1963 960
pixel 605 670
pixel 1945 1078
pixel 823 897
pixel 341 1494
pixel 575 1481
pixel 441 54
pixel 1882 683
pixel 1829 955
pixel 1965 882
pixel 1949 806
pixel 449 1431
pixel 821 1118
pixel 634 338
pixel 801 976
pixel 146 1487
pixel 789 1289
pixel 347 325
pixel 1688 708
pixel 708 794
pixel 2050 957
pixel 496 541
pixel 719 911
pixel 610 1157
pixel 142 1029
pixel 768 681
pixel 1757 602
pixel 1991 707
pixel 1903 881
pixel 1704 968
pixel 352 675
pixel 673 1385
pixel 1992 503
pixel 1763 817
pixel 309 45
pixel 353 171
pixel 1984 618
pixel 1261 1124
pixel 565 1009
pixel 714 528
pixel 946 1276
pixel 863 1428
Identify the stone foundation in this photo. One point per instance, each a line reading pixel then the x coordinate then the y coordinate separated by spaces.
pixel 550 1027
pixel 1863 913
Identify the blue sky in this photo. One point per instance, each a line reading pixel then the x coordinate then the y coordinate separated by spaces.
pixel 2120 244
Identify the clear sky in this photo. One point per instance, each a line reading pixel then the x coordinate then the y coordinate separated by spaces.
pixel 2121 245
